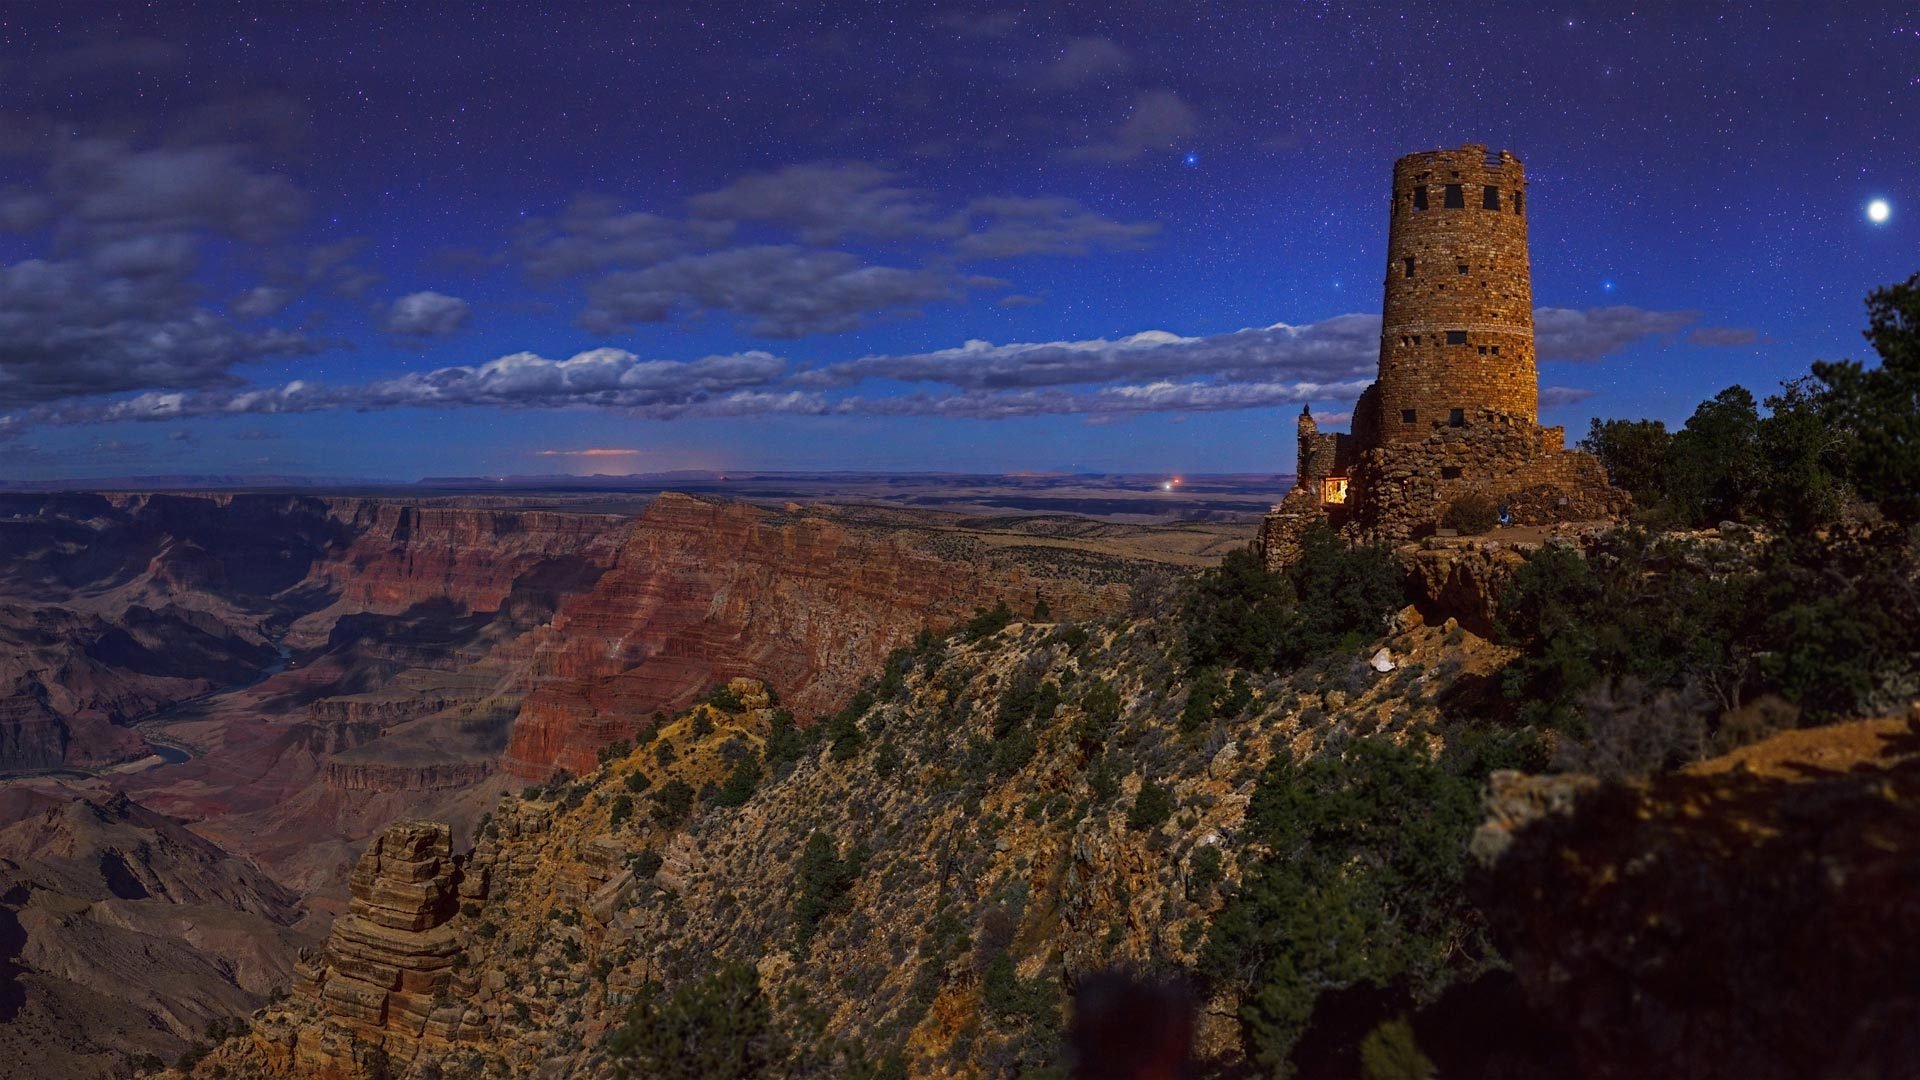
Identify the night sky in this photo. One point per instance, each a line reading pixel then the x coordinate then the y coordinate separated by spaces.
pixel 388 241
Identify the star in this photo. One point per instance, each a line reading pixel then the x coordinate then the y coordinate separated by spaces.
pixel 1192 160
pixel 1878 211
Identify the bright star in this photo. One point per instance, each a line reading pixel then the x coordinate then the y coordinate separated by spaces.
pixel 1606 286
pixel 1192 159
pixel 1878 211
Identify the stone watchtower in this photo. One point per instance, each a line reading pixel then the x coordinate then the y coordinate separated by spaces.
pixel 1455 411
pixel 1456 333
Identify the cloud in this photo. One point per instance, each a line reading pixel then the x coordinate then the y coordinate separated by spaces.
pixel 1019 226
pixel 1154 371
pixel 594 452
pixel 1555 396
pixel 643 267
pixel 595 233
pixel 1018 300
pixel 1158 120
pixel 1337 350
pixel 259 301
pixel 828 201
pixel 1567 334
pixel 1723 336
pixel 254 435
pixel 426 314
pixel 784 291
pixel 1088 58
pixel 115 305
pixel 68 329
pixel 109 189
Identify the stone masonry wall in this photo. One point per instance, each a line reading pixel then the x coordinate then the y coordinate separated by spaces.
pixel 1401 490
pixel 1459 270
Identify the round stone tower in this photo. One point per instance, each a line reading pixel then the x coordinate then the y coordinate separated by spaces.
pixel 1457 328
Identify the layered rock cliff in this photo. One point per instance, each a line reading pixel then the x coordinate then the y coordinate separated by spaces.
pixel 703 591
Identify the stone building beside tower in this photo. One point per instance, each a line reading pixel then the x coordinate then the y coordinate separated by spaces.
pixel 1455 409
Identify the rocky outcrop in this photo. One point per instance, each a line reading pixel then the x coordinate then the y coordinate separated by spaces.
pixel 1751 917
pixel 705 591
pixel 387 960
pixel 1461 578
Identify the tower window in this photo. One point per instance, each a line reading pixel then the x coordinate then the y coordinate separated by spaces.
pixel 1519 202
pixel 1461 267
pixel 1420 197
pixel 1406 416
pixel 1490 198
pixel 1449 472
pixel 1416 339
pixel 1456 337
pixel 1456 197
pixel 1457 418
pixel 1408 264
pixel 1496 350
pixel 1483 350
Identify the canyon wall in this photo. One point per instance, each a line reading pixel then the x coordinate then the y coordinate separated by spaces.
pixel 701 592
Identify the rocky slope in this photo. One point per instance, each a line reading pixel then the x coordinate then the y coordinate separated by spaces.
pixel 126 934
pixel 1752 916
pixel 918 889
pixel 888 881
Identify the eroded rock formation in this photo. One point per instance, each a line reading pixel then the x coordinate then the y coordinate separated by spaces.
pixel 380 981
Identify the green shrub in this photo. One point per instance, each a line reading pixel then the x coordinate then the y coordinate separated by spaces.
pixel 1390 1052
pixel 1099 712
pixel 638 782
pixel 1357 880
pixel 1198 711
pixel 786 742
pixel 1634 454
pixel 987 622
pixel 673 804
pixel 712 1028
pixel 724 699
pixel 701 725
pixel 1204 871
pixel 1470 514
pixel 622 810
pixel 1242 615
pixel 740 783
pixel 843 730
pixel 1152 806
pixel 822 881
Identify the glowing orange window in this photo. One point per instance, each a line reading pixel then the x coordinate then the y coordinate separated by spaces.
pixel 1333 489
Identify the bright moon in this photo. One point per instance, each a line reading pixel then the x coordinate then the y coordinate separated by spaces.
pixel 1878 211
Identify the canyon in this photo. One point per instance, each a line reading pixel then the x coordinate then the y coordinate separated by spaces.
pixel 280 677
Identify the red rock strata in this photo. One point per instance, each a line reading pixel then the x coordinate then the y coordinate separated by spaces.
pixel 704 591
pixel 404 554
